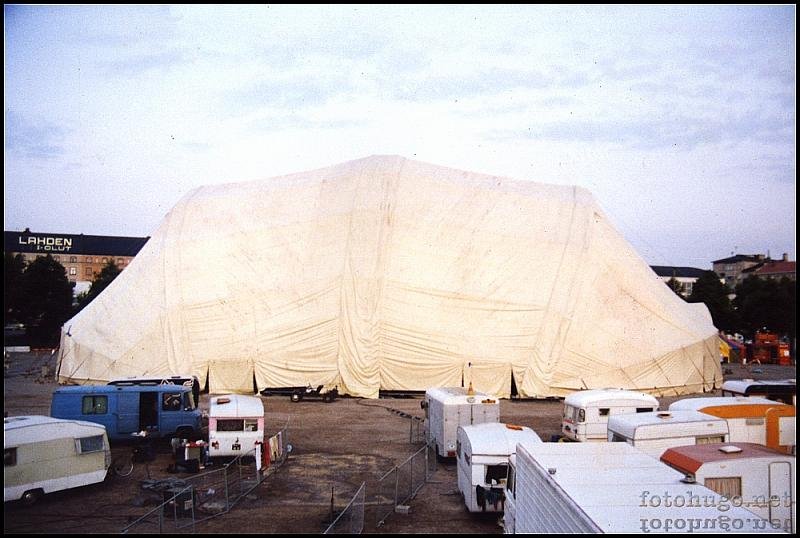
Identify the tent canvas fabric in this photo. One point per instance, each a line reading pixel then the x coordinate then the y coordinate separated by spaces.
pixel 390 274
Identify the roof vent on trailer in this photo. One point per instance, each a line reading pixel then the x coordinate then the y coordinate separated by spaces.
pixel 663 414
pixel 730 449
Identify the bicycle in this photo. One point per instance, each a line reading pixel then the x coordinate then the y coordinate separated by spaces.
pixel 141 451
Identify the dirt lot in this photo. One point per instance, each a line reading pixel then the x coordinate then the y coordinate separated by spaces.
pixel 336 447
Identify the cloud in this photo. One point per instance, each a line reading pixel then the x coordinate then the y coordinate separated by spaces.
pixel 42 139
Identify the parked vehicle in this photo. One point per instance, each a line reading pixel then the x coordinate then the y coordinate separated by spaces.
pixel 309 392
pixel 482 457
pixel 750 420
pixel 43 454
pixel 611 487
pixel 159 410
pixel 448 408
pixel 235 424
pixel 653 433
pixel 586 412
pixel 764 479
pixel 186 380
pixel 784 391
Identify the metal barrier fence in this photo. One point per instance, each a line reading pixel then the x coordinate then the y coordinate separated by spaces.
pixel 402 483
pixel 201 497
pixel 416 430
pixel 351 519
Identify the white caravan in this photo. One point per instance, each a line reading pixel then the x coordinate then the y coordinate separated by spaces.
pixel 612 487
pixel 235 425
pixel 44 454
pixel 482 460
pixel 586 412
pixel 448 408
pixel 750 420
pixel 763 479
pixel 653 433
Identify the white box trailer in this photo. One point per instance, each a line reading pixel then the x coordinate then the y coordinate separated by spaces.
pixel 611 487
pixel 235 425
pixel 482 454
pixel 586 412
pixel 448 408
pixel 653 433
pixel 763 479
pixel 781 390
pixel 750 419
pixel 44 454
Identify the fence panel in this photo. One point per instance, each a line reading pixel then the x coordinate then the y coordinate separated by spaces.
pixel 403 482
pixel 351 519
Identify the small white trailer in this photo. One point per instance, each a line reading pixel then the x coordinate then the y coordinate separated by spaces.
pixel 586 412
pixel 448 408
pixel 44 454
pixel 482 457
pixel 653 433
pixel 235 425
pixel 750 419
pixel 611 487
pixel 763 479
pixel 782 390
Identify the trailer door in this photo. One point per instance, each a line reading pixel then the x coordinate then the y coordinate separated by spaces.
pixel 127 412
pixel 780 487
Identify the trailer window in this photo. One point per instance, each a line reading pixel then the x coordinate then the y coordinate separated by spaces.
pixel 251 425
pixel 87 445
pixel 604 411
pixel 9 457
pixel 511 482
pixel 645 409
pixel 94 405
pixel 731 487
pixel 709 439
pixel 230 425
pixel 496 473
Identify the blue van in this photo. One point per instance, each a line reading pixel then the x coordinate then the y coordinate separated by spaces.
pixel 161 411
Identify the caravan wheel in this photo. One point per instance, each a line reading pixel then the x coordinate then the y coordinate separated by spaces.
pixel 30 497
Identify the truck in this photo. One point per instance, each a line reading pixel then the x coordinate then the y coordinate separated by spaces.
pixel 763 479
pixel 44 454
pixel 450 407
pixel 482 455
pixel 612 487
pixel 161 411
pixel 235 425
pixel 653 433
pixel 586 412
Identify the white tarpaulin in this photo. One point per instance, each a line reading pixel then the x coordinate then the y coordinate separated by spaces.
pixel 386 273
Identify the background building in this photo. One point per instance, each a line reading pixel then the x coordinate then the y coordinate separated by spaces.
pixel 731 269
pixel 686 276
pixel 773 269
pixel 81 255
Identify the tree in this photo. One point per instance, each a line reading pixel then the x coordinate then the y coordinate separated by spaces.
pixel 767 303
pixel 675 286
pixel 101 281
pixel 709 290
pixel 48 299
pixel 13 268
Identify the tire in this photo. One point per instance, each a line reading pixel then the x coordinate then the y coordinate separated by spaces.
pixel 30 497
pixel 185 433
pixel 122 465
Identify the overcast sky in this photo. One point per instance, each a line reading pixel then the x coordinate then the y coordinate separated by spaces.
pixel 680 120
